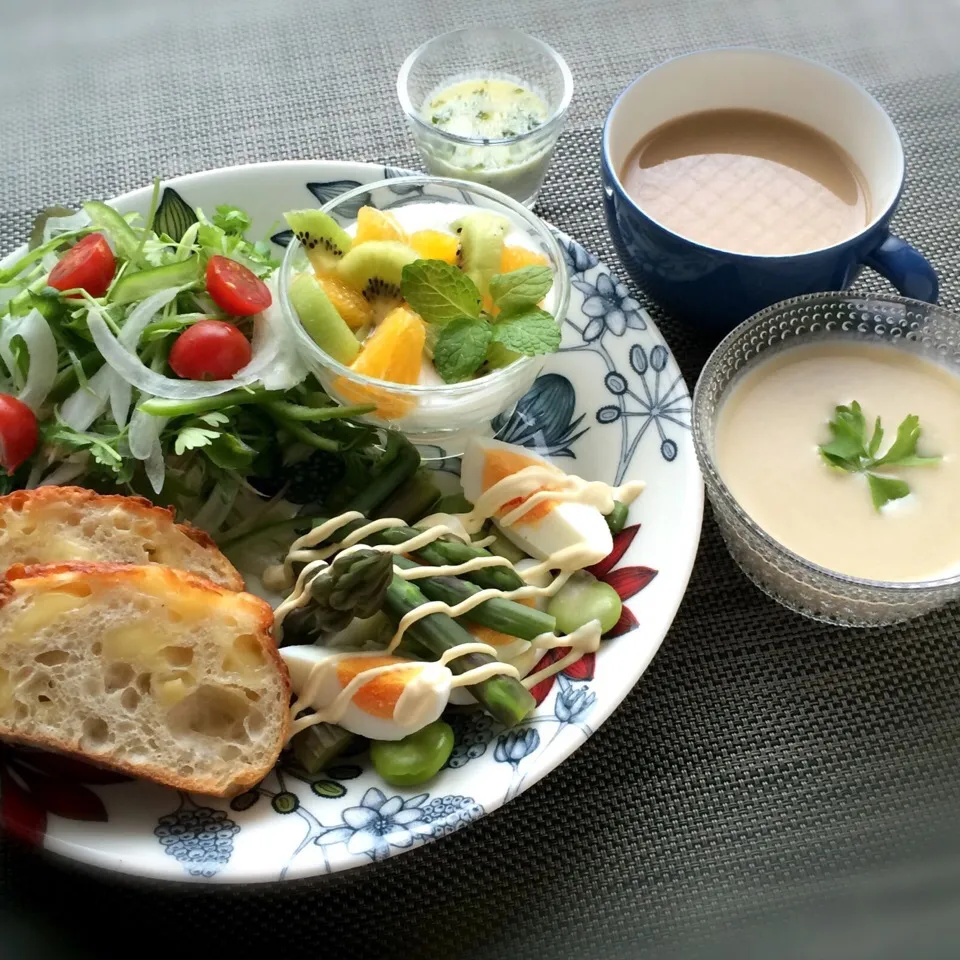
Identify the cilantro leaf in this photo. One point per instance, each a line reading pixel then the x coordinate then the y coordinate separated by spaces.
pixel 190 438
pixel 530 333
pixel 214 418
pixel 461 348
pixel 885 489
pixel 849 450
pixel 439 292
pixel 230 452
pixel 520 289
pixel 232 219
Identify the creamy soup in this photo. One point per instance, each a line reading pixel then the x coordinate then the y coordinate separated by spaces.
pixel 766 451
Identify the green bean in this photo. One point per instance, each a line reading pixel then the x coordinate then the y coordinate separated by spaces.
pixel 617 517
pixel 414 759
pixel 584 598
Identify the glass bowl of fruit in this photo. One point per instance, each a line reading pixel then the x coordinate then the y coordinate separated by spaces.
pixel 429 304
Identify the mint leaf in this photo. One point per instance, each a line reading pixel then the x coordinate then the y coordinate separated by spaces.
pixel 885 489
pixel 439 292
pixel 520 289
pixel 231 219
pixel 189 438
pixel 461 347
pixel 530 333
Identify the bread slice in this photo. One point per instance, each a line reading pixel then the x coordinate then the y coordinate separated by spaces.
pixel 145 669
pixel 60 524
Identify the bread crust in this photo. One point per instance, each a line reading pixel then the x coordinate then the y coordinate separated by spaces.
pixel 19 577
pixel 24 500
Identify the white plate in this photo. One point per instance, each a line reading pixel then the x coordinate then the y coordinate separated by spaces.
pixel 612 405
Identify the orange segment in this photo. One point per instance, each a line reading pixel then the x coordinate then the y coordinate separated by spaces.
pixel 394 352
pixel 352 305
pixel 498 464
pixel 374 224
pixel 513 258
pixel 434 245
pixel 378 696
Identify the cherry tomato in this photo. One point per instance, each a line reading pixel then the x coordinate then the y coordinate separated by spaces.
pixel 18 432
pixel 88 265
pixel 235 289
pixel 209 350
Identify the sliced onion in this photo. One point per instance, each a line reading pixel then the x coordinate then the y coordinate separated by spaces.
pixel 67 471
pixel 144 433
pixel 57 225
pixel 49 260
pixel 216 509
pixel 156 468
pixel 266 342
pixel 287 369
pixel 42 351
pixel 121 396
pixel 144 439
pixel 86 403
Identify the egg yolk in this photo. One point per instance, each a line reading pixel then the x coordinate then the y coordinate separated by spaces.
pixel 379 695
pixel 498 464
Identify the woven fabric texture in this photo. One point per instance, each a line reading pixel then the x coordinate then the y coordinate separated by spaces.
pixel 772 787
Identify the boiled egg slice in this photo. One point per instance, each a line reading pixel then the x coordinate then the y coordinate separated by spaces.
pixel 550 526
pixel 388 706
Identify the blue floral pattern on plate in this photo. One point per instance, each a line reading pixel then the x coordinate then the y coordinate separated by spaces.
pixel 613 401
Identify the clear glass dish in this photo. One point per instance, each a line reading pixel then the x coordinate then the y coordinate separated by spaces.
pixel 814 591
pixel 514 165
pixel 439 419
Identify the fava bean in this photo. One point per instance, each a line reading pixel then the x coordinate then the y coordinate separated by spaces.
pixel 617 517
pixel 584 598
pixel 414 759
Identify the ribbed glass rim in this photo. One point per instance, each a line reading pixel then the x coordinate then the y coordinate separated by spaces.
pixel 548 125
pixel 703 444
pixel 449 390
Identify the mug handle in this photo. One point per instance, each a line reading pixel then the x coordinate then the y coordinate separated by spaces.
pixel 906 268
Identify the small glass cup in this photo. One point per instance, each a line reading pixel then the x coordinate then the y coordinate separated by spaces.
pixel 805 587
pixel 513 165
pixel 438 419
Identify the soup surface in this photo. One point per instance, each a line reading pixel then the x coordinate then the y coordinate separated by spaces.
pixel 748 181
pixel 766 451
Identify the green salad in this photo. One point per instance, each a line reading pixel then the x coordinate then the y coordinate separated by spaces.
pixel 148 356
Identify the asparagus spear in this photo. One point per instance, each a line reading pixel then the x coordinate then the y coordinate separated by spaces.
pixel 441 553
pixel 317 746
pixel 411 500
pixel 352 586
pixel 505 698
pixel 506 616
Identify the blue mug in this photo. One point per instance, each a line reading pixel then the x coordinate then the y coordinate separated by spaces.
pixel 715 288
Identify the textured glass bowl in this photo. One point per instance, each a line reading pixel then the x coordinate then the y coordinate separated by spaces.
pixel 440 419
pixel 921 328
pixel 515 165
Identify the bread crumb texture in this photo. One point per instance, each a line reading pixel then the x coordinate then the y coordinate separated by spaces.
pixel 149 670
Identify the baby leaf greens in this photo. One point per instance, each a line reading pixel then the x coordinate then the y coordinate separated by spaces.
pixel 467 336
pixel 852 450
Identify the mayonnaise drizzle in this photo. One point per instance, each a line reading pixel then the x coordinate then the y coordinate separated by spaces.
pixel 534 485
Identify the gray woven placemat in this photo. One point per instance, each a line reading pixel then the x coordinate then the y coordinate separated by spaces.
pixel 772 787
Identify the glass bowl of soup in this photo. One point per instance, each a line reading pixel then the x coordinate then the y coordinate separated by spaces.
pixel 827 428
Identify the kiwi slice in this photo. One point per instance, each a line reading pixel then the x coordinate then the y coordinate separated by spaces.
pixel 481 244
pixel 320 319
pixel 322 237
pixel 375 269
